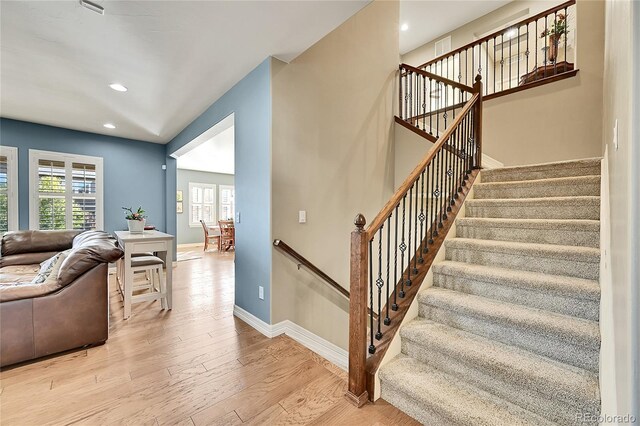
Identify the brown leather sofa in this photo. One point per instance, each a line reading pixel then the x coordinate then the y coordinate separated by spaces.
pixel 67 312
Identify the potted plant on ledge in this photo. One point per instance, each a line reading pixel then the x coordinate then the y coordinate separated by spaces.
pixel 558 28
pixel 135 220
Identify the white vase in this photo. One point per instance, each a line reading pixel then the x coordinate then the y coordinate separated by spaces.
pixel 136 226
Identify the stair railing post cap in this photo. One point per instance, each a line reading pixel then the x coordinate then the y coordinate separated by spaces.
pixel 478 77
pixel 360 221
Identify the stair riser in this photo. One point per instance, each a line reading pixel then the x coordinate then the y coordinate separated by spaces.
pixel 537 341
pixel 557 211
pixel 549 173
pixel 538 191
pixel 579 308
pixel 526 262
pixel 557 406
pixel 531 235
pixel 424 414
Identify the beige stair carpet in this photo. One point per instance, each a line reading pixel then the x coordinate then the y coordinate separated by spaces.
pixel 508 334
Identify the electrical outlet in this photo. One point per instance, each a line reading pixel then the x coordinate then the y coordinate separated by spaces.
pixel 260 292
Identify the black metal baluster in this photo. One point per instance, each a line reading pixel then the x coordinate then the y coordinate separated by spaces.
pixel 501 62
pixel 556 42
pixel 486 69
pixel 415 229
pixel 446 91
pixel 441 195
pixel 546 48
pixel 372 348
pixel 518 41
pixel 408 282
pixel 450 172
pixel 494 65
pixel 424 102
pixel 387 320
pixel 510 61
pixel 406 95
pixel 527 52
pixel 566 20
pixel 424 248
pixel 379 284
pixel 403 247
pixel 430 110
pixel 438 85
pixel 431 200
pixel 394 307
pixel 535 66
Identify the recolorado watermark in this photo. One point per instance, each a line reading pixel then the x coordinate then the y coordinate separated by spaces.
pixel 606 418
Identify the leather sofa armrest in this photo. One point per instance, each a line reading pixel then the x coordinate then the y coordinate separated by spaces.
pixel 26 258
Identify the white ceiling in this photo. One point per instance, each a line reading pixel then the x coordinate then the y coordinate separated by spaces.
pixel 214 155
pixel 176 57
pixel 428 19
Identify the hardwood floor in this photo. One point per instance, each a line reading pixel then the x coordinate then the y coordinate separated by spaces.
pixel 194 365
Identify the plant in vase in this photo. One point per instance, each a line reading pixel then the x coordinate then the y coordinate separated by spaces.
pixel 555 32
pixel 135 219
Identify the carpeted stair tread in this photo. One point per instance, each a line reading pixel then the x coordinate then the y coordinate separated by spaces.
pixel 579 207
pixel 574 387
pixel 578 232
pixel 550 187
pixel 576 288
pixel 433 397
pixel 581 262
pixel 589 166
pixel 576 331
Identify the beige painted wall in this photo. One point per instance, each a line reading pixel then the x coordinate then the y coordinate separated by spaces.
pixel 558 121
pixel 620 363
pixel 332 156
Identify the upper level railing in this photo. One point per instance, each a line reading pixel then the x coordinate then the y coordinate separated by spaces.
pixel 534 51
pixel 390 258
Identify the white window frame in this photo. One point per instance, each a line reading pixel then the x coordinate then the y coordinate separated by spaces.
pixel 221 188
pixel 34 158
pixel 211 186
pixel 12 185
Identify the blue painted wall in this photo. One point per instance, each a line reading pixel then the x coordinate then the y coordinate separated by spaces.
pixel 132 172
pixel 250 101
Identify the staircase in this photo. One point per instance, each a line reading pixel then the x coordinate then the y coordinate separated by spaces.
pixel 508 333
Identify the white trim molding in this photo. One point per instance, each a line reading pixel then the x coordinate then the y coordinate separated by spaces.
pixel 315 343
pixel 12 186
pixel 491 163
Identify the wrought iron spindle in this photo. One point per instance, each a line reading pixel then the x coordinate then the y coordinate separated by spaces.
pixel 379 284
pixel 402 247
pixel 510 61
pixel 387 320
pixel 430 109
pixel 566 20
pixel 555 42
pixel 501 61
pixel 394 306
pixel 423 245
pixel 431 195
pixel 441 197
pixel 424 102
pixel 408 282
pixel 372 348
pixel 415 229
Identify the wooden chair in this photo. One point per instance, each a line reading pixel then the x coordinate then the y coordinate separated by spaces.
pixel 227 234
pixel 208 237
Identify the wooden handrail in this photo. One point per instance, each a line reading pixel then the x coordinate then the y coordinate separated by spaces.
pixel 437 77
pixel 302 261
pixel 500 32
pixel 408 182
pixel 285 248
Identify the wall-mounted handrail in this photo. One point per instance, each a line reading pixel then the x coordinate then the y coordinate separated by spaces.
pixel 302 261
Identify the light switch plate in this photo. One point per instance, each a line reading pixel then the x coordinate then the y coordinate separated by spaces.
pixel 237 217
pixel 615 135
pixel 260 292
pixel 302 216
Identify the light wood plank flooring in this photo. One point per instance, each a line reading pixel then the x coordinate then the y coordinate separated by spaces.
pixel 194 365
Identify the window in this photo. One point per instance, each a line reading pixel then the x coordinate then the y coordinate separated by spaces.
pixel 65 191
pixel 202 203
pixel 227 201
pixel 8 188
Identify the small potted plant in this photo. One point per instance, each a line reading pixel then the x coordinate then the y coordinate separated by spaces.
pixel 555 32
pixel 135 220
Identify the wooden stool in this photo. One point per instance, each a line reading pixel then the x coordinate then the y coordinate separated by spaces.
pixel 154 282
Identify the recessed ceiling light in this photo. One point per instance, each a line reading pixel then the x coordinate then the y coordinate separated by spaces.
pixel 118 87
pixel 404 27
pixel 511 33
pixel 109 126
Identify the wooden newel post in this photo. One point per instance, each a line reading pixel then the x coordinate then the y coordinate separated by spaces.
pixel 357 392
pixel 477 120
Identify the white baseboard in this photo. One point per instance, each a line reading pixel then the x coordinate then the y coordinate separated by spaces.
pixel 317 344
pixel 187 245
pixel 491 163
